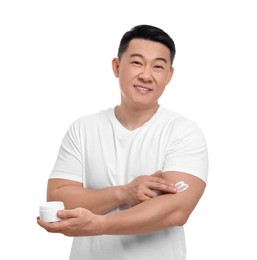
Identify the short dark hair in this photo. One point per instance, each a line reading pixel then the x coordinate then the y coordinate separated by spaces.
pixel 147 32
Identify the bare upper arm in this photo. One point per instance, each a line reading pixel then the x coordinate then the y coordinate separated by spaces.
pixel 188 199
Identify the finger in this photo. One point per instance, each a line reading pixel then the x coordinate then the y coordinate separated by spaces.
pixel 160 181
pixel 53 227
pixel 143 197
pixel 157 174
pixel 151 193
pixel 162 187
pixel 67 213
pixel 48 226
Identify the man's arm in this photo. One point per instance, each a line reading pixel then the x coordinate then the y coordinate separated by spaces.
pixel 152 215
pixel 159 213
pixel 100 201
pixel 74 195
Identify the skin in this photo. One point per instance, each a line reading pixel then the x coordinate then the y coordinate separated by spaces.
pixel 144 71
pixel 100 201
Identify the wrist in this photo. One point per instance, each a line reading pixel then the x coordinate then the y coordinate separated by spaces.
pixel 103 225
pixel 120 194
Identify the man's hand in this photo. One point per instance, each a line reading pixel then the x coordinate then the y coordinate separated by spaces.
pixel 75 222
pixel 146 187
pixel 152 215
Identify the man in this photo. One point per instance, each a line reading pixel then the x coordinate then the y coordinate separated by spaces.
pixel 116 169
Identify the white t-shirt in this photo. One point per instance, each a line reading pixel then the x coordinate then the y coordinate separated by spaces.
pixel 99 152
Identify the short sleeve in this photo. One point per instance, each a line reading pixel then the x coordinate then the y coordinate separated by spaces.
pixel 68 164
pixel 187 152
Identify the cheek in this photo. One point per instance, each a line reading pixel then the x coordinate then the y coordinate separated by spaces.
pixel 126 76
pixel 163 81
pixel 123 81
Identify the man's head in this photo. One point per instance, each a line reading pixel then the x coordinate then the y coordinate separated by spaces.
pixel 147 32
pixel 144 66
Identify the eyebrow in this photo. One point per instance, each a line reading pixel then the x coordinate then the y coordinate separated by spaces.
pixel 141 56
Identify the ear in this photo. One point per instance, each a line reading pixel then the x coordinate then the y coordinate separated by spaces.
pixel 115 67
pixel 171 74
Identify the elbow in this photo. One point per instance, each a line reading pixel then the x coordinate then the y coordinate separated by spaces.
pixel 51 195
pixel 182 220
pixel 179 218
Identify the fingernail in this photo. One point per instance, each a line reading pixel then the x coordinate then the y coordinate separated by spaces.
pixel 60 213
pixel 173 189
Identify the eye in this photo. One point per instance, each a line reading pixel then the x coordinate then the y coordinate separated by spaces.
pixel 158 67
pixel 136 62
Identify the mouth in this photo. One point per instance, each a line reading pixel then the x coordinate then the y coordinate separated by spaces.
pixel 142 89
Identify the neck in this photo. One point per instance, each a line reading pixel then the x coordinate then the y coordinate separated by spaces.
pixel 132 118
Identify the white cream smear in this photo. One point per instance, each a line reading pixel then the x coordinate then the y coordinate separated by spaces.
pixel 181 186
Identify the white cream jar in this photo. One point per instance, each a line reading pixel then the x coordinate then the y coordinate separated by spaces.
pixel 48 211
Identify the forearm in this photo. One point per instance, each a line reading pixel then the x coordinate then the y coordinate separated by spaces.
pixel 160 212
pixel 99 201
pixel 150 216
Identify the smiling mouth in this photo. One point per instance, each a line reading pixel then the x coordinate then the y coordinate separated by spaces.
pixel 142 89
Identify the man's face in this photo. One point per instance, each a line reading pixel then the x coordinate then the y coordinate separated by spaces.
pixel 144 70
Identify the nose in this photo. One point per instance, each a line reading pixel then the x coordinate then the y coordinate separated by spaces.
pixel 145 74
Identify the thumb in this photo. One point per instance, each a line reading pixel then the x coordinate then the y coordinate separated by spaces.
pixel 66 213
pixel 157 174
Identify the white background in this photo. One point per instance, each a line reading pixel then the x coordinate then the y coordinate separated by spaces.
pixel 55 66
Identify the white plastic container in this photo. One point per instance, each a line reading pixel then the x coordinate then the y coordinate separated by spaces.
pixel 48 211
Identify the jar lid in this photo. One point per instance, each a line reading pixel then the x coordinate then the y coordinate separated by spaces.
pixel 52 205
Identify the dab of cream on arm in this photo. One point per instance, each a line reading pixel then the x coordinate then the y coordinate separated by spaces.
pixel 181 186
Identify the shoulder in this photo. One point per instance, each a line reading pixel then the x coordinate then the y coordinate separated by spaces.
pixel 90 123
pixel 177 121
pixel 181 129
pixel 92 119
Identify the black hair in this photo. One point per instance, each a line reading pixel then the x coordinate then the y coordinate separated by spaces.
pixel 147 32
